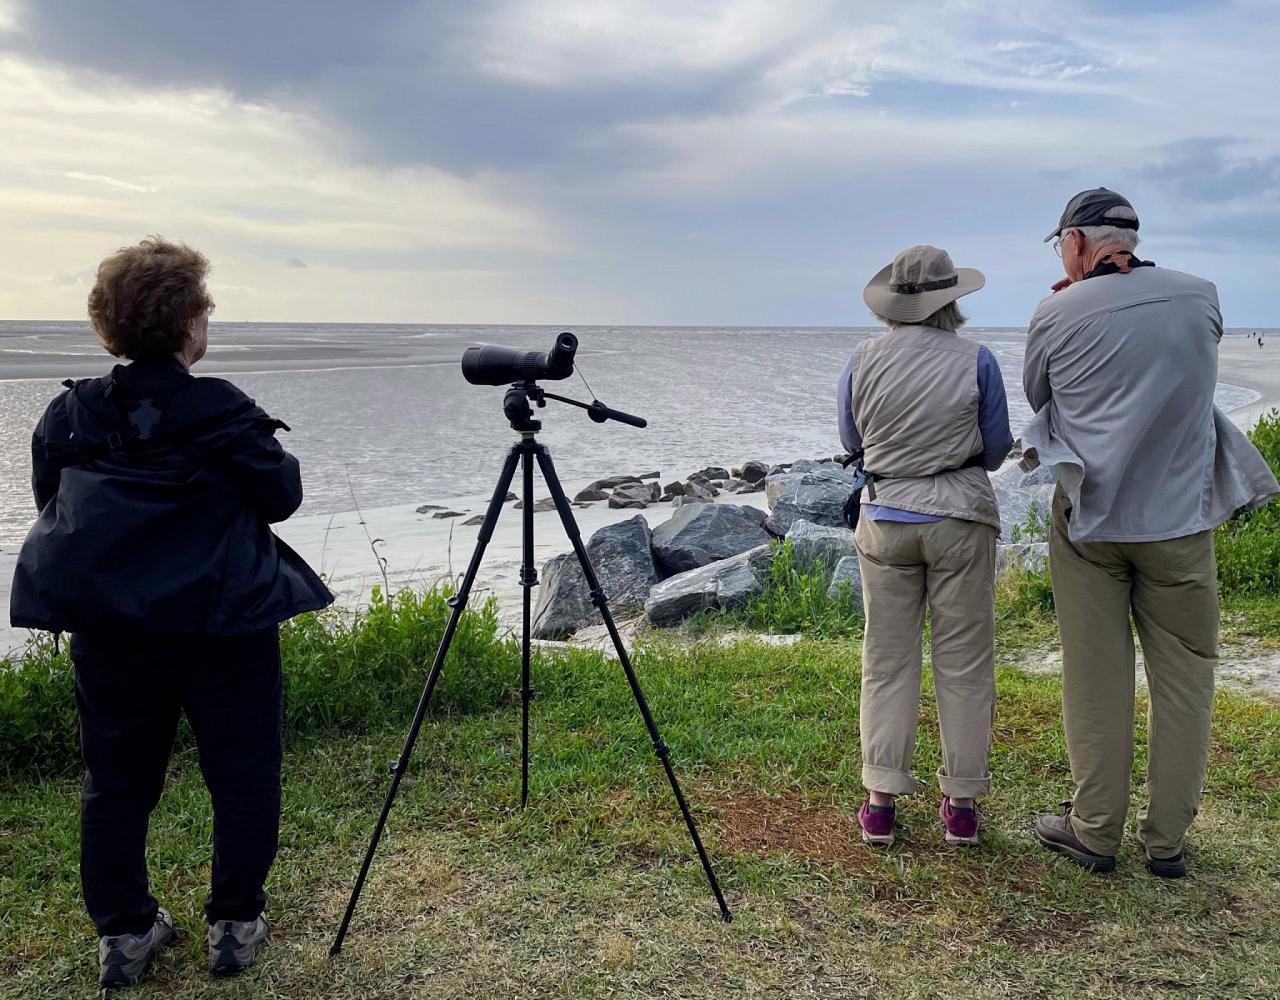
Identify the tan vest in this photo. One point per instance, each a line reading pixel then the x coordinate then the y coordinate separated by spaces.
pixel 915 402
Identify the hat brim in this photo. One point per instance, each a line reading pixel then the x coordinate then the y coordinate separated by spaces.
pixel 913 308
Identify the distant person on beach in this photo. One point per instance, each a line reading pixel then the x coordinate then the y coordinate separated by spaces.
pixel 926 411
pixel 155 491
pixel 1121 364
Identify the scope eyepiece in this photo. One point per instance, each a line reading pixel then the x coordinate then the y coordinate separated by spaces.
pixel 494 365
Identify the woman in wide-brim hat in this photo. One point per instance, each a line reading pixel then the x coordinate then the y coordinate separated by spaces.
pixel 926 410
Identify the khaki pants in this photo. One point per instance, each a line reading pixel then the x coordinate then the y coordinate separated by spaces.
pixel 950 565
pixel 1172 589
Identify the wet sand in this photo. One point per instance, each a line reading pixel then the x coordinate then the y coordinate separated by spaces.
pixel 1242 362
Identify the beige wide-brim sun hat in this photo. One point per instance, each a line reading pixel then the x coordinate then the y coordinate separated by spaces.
pixel 919 282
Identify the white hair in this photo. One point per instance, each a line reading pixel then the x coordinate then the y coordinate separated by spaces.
pixel 1099 236
pixel 948 318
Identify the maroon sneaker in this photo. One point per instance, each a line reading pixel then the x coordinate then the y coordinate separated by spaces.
pixel 962 825
pixel 877 824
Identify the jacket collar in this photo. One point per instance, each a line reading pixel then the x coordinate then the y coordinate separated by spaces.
pixel 1120 262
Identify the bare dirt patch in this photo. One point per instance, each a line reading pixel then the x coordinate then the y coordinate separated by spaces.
pixel 755 824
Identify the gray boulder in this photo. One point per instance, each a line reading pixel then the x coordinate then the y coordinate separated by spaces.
pixel 635 494
pixel 819 545
pixel 1012 477
pixel 1030 556
pixel 612 481
pixel 623 563
pixel 674 489
pixel 700 491
pixel 1041 475
pixel 847 579
pixel 686 500
pixel 1015 504
pixel 754 514
pixel 699 534
pixel 590 494
pixel 714 472
pixel 818 496
pixel 539 506
pixel 718 586
pixel 753 471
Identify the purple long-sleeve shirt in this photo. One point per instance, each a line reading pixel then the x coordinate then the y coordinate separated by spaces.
pixel 993 422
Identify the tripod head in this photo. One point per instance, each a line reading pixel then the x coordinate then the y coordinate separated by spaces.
pixel 516 406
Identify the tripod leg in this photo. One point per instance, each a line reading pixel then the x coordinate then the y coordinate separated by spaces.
pixel 600 600
pixel 528 578
pixel 458 603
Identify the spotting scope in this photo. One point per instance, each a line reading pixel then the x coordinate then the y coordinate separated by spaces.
pixel 493 365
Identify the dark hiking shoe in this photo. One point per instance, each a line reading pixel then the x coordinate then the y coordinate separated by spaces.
pixel 1055 833
pixel 962 826
pixel 123 958
pixel 1174 867
pixel 877 824
pixel 233 944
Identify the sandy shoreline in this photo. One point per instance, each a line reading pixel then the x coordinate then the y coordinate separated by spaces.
pixel 1241 362
pixel 421 551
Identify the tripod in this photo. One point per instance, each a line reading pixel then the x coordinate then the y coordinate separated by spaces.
pixel 516 407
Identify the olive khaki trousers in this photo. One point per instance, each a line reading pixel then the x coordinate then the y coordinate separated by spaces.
pixel 1171 588
pixel 948 566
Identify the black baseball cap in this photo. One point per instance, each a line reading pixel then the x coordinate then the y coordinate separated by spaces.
pixel 1096 207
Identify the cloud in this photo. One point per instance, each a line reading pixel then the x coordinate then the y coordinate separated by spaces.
pixel 111 182
pixel 548 158
pixel 1208 169
pixel 294 262
pixel 247 182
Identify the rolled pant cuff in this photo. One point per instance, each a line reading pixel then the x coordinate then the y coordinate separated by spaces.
pixel 963 788
pixel 887 780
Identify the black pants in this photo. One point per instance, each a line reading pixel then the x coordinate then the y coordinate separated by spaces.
pixel 130 692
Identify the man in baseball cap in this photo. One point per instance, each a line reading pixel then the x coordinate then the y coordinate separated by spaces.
pixel 1121 365
pixel 1096 207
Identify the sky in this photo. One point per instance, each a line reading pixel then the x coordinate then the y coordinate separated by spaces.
pixel 739 162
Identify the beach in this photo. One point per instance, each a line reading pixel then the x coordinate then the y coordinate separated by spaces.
pixel 734 420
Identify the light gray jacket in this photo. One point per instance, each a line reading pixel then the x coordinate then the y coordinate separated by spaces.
pixel 1121 370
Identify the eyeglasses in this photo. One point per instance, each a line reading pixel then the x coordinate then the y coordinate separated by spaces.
pixel 1057 246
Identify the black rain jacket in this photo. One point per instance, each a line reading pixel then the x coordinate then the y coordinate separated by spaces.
pixel 155 491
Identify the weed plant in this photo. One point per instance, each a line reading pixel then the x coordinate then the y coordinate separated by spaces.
pixel 1249 544
pixel 342 672
pixel 795 599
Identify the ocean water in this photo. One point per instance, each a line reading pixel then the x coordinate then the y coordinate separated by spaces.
pixel 381 414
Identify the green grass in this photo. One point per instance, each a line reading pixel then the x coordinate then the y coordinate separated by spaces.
pixel 594 891
pixel 1249 545
pixel 795 601
pixel 342 674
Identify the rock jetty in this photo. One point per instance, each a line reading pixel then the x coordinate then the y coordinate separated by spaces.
pixel 714 554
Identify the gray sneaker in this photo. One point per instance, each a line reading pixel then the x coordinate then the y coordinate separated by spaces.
pixel 123 958
pixel 233 944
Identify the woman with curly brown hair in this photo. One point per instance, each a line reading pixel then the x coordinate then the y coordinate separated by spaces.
pixel 153 547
